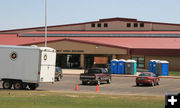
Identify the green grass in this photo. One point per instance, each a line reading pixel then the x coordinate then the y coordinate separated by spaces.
pixel 41 99
pixel 174 73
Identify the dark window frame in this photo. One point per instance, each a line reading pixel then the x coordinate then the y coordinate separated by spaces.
pixel 105 24
pixel 141 24
pixel 128 25
pixel 93 25
pixel 135 24
pixel 99 25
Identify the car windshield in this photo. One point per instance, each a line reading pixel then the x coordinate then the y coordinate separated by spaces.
pixel 94 71
pixel 145 74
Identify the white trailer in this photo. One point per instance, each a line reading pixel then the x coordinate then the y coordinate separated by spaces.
pixel 22 66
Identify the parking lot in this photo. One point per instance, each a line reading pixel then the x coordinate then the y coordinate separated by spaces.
pixel 119 85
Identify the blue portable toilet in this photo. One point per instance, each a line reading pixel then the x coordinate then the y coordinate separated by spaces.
pixel 151 65
pixel 121 66
pixel 162 68
pixel 114 66
pixel 154 66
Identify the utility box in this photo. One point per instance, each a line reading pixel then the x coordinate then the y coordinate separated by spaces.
pixel 130 67
pixel 121 66
pixel 114 66
pixel 162 68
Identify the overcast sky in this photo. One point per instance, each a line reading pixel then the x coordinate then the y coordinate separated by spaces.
pixel 16 14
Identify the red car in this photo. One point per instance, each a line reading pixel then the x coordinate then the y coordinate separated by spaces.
pixel 147 78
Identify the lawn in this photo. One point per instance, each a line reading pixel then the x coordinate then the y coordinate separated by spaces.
pixel 43 99
pixel 174 73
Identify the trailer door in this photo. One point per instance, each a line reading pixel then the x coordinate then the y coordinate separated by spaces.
pixel 47 68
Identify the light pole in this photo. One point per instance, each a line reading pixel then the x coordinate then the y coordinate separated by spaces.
pixel 45 38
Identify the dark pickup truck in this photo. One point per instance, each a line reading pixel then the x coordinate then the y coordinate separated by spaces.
pixel 96 75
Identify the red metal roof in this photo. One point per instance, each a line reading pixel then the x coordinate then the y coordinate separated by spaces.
pixel 104 32
pixel 122 42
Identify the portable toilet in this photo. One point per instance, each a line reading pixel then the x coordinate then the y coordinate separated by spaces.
pixel 130 67
pixel 114 66
pixel 121 66
pixel 151 65
pixel 154 66
pixel 162 68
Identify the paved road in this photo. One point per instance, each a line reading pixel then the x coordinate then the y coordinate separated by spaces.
pixel 119 85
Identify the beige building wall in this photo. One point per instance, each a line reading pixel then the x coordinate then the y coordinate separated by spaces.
pixel 165 27
pixel 70 47
pixel 66 28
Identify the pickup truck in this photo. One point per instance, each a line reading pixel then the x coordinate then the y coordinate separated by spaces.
pixel 96 75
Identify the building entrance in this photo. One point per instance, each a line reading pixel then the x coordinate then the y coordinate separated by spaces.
pixel 70 61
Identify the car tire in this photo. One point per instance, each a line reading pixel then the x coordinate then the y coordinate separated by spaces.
pixel 7 85
pixel 109 81
pixel 18 85
pixel 152 84
pixel 137 84
pixel 98 83
pixel 158 83
pixel 84 82
pixel 58 78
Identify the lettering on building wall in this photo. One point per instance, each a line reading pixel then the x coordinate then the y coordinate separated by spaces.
pixel 69 51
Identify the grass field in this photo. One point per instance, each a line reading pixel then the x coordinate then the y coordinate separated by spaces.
pixel 174 73
pixel 42 99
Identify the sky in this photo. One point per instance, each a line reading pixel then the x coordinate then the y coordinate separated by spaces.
pixel 15 14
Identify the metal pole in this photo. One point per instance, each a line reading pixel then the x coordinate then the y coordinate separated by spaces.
pixel 45 38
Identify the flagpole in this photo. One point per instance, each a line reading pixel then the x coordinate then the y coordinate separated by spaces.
pixel 45 38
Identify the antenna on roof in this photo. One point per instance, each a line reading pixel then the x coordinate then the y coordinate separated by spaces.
pixel 45 38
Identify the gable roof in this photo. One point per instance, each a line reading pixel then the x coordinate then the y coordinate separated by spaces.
pixel 120 42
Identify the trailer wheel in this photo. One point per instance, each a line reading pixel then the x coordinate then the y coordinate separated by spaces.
pixel 33 86
pixel 7 84
pixel 24 86
pixel 18 85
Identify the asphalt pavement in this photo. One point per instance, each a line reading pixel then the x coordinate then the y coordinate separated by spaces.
pixel 119 85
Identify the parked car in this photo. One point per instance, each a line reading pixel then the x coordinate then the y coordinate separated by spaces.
pixel 58 74
pixel 96 75
pixel 147 78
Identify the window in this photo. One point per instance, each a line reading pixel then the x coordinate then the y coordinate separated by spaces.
pixel 135 24
pixel 93 25
pixel 153 75
pixel 140 61
pixel 128 24
pixel 141 24
pixel 99 25
pixel 145 74
pixel 105 25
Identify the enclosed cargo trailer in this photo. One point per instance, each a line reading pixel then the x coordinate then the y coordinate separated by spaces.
pixel 22 66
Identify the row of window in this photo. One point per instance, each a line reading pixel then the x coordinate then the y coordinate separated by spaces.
pixel 128 25
pixel 135 25
pixel 99 25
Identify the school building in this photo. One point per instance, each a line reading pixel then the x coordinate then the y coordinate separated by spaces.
pixel 96 43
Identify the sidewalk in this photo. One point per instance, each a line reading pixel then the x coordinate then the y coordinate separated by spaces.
pixel 72 71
